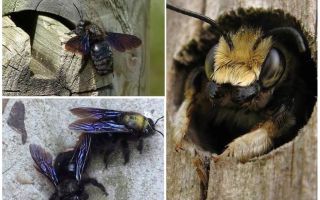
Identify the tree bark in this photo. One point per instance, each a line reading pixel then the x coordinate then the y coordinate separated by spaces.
pixel 45 68
pixel 288 172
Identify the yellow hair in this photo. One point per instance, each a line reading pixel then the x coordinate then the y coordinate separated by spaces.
pixel 241 65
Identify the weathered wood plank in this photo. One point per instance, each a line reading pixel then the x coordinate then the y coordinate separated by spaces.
pixel 182 180
pixel 16 51
pixel 57 71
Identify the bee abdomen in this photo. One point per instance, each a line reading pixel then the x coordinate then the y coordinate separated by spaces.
pixel 101 55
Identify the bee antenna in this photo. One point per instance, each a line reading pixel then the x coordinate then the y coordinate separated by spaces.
pixel 202 18
pixel 158 120
pixel 80 13
pixel 159 132
pixel 290 33
pixel 155 124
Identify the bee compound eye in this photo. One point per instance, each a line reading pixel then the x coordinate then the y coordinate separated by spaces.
pixel 209 62
pixel 272 68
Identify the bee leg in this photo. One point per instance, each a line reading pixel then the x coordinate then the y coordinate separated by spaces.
pixel 252 144
pixel 95 183
pixel 125 151
pixel 107 152
pixel 261 140
pixel 140 145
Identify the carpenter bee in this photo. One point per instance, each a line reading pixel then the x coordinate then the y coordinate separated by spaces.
pixel 66 174
pixel 92 41
pixel 252 95
pixel 108 128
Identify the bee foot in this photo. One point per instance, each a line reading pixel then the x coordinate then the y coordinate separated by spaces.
pixel 252 144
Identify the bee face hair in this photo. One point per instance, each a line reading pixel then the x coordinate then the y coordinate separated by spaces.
pixel 241 65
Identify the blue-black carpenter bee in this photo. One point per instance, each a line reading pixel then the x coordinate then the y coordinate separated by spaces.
pixel 92 41
pixel 108 128
pixel 66 173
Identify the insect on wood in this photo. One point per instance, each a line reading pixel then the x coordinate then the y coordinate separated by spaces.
pixel 93 43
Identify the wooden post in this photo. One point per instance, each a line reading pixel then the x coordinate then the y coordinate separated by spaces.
pixel 288 172
pixel 35 62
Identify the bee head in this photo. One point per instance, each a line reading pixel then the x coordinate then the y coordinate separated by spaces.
pixel 250 69
pixel 246 66
pixel 82 23
pixel 151 127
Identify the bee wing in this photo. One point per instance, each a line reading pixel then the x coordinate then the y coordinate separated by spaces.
pixel 81 154
pixel 94 126
pixel 74 45
pixel 122 42
pixel 78 45
pixel 96 113
pixel 43 162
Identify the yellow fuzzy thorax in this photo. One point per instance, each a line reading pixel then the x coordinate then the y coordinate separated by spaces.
pixel 240 66
pixel 136 121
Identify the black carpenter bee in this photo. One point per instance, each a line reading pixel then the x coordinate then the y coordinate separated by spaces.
pixel 252 94
pixel 66 173
pixel 92 41
pixel 108 128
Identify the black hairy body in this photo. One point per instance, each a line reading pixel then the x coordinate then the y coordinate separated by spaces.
pixel 66 171
pixel 92 42
pixel 226 123
pixel 112 128
pixel 106 145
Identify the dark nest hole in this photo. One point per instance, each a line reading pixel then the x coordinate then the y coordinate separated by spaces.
pixel 192 56
pixel 27 21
